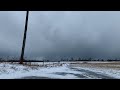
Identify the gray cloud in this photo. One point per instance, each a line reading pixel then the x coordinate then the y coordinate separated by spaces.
pixel 62 33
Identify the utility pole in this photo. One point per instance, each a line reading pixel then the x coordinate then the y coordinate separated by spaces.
pixel 24 39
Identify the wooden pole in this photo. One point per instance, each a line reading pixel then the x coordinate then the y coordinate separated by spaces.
pixel 24 38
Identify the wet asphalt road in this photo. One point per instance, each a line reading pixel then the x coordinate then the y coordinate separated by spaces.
pixel 86 74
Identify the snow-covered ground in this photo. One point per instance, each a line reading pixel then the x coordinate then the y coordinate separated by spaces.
pixel 105 71
pixel 64 71
pixel 12 71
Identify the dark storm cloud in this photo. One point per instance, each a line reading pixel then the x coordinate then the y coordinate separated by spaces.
pixel 62 34
pixel 11 31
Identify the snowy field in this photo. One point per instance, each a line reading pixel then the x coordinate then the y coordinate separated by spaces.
pixel 63 70
pixel 16 71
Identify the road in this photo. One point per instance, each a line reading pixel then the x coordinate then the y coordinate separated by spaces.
pixel 86 75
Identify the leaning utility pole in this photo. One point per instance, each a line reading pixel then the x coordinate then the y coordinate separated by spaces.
pixel 24 39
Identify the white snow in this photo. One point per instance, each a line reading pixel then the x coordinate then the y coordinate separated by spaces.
pixel 16 71
pixel 19 71
pixel 105 71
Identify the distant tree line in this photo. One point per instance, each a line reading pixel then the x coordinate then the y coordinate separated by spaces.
pixel 89 59
pixel 50 60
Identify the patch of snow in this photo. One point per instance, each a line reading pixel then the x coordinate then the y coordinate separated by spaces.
pixel 110 72
pixel 19 71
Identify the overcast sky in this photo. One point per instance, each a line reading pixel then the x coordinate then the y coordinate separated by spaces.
pixel 82 34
